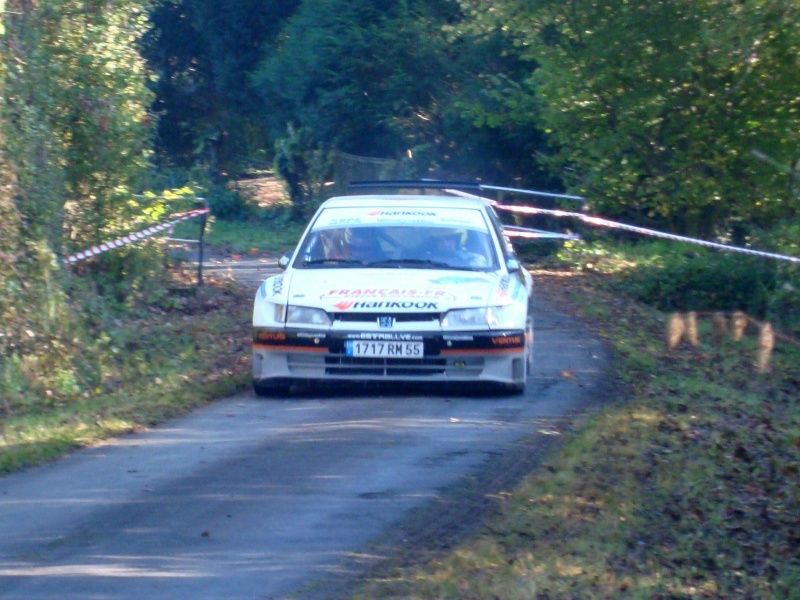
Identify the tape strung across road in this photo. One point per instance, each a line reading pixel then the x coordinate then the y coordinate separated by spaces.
pixel 135 237
pixel 513 231
pixel 599 222
pixel 537 234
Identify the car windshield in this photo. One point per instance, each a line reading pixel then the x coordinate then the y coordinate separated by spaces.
pixel 398 246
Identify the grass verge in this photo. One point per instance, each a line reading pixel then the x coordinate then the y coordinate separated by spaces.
pixel 190 349
pixel 269 234
pixel 687 489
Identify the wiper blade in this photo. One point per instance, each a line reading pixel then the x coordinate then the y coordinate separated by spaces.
pixel 416 263
pixel 332 262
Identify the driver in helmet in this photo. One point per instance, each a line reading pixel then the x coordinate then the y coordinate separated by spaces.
pixel 448 246
pixel 363 244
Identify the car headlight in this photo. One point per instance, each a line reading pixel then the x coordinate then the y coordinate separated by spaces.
pixel 267 314
pixel 303 315
pixel 465 317
pixel 278 311
pixel 510 316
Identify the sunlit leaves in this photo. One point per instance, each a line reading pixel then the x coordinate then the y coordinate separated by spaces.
pixel 77 107
pixel 75 137
pixel 653 108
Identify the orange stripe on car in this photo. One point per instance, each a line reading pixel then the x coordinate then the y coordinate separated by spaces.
pixel 288 348
pixel 454 352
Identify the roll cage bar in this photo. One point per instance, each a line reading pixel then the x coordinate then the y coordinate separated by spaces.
pixel 469 188
pixel 433 184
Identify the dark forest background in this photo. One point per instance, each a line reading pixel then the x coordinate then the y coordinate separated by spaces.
pixel 682 115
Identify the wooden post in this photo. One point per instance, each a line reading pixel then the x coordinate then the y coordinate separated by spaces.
pixel 675 330
pixel 766 343
pixel 738 325
pixel 691 329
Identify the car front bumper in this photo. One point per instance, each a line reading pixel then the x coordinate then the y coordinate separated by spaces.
pixel 496 356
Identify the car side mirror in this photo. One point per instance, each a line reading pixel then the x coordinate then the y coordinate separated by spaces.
pixel 512 264
pixel 283 263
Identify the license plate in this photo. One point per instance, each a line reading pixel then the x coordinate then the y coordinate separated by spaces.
pixel 383 349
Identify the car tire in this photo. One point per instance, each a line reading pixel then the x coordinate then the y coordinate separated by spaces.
pixel 513 389
pixel 529 347
pixel 517 388
pixel 271 388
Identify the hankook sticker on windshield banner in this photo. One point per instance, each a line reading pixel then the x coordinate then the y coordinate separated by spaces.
pixel 401 213
pixel 466 217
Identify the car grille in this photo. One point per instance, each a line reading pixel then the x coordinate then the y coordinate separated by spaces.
pixel 341 366
pixel 350 365
pixel 368 317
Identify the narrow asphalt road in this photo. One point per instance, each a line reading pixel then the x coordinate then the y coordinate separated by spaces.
pixel 289 498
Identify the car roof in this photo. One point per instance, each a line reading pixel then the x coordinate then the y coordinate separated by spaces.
pixel 394 200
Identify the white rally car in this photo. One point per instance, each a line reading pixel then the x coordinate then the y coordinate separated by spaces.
pixel 396 288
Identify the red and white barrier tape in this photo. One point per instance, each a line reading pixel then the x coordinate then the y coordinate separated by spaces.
pixel 599 222
pixel 537 234
pixel 134 237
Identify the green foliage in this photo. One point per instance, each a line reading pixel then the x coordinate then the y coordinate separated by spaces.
pixel 381 80
pixel 202 53
pixel 481 135
pixel 361 76
pixel 74 142
pixel 653 110
pixel 75 116
pixel 135 368
pixel 304 168
pixel 273 231
pixel 678 278
pixel 679 114
pixel 683 277
pixel 227 203
pixel 224 201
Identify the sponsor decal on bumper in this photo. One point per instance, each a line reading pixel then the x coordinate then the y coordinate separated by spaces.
pixel 435 344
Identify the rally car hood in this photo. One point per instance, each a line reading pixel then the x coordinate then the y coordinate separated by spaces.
pixel 365 290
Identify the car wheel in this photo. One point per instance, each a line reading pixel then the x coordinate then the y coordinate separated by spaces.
pixel 529 347
pixel 519 387
pixel 271 388
pixel 513 389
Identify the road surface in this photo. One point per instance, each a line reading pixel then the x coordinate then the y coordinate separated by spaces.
pixel 288 498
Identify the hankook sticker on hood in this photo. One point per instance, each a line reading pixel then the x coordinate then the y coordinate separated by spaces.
pixel 395 290
pixel 387 305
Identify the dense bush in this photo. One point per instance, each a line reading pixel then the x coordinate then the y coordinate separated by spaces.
pixel 304 169
pixel 683 279
pixel 75 134
pixel 227 203
pixel 679 277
